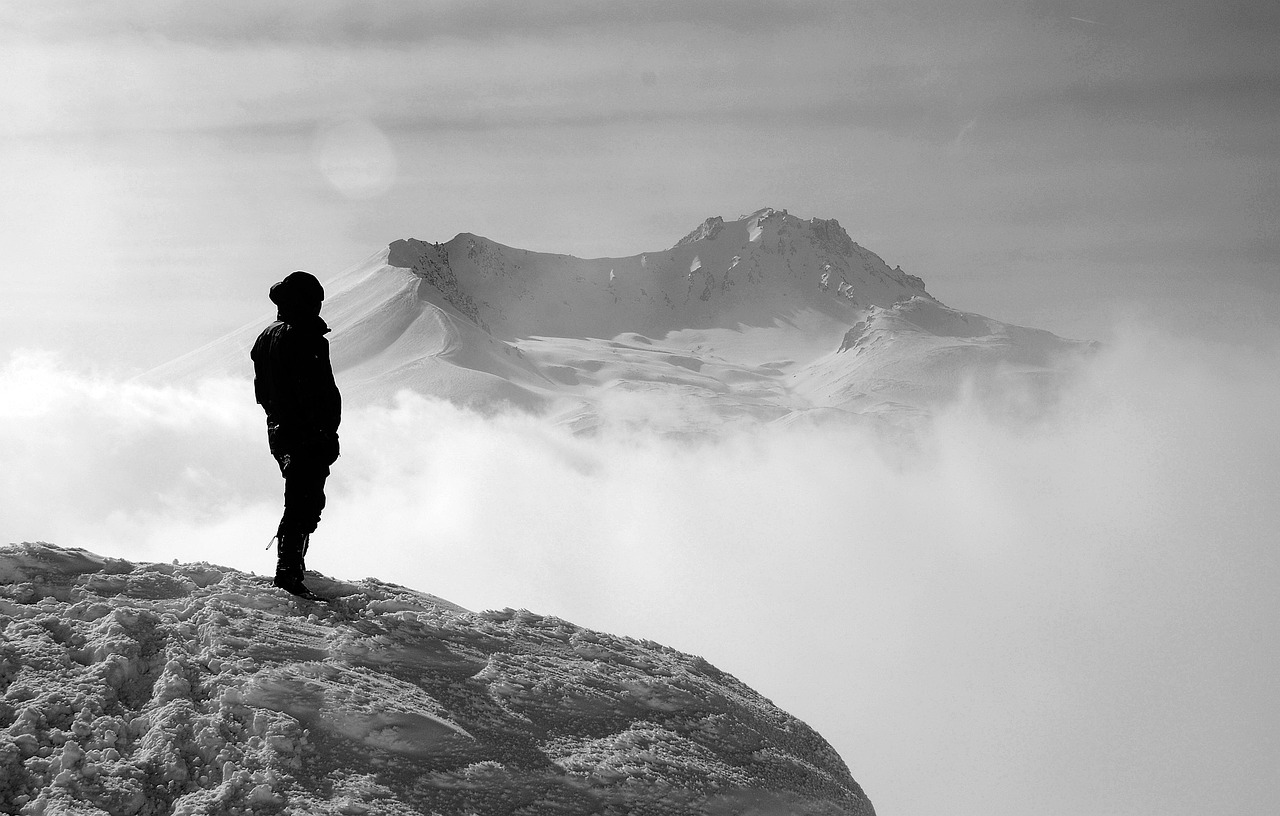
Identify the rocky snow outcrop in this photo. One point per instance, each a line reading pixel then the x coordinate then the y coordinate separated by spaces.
pixel 135 688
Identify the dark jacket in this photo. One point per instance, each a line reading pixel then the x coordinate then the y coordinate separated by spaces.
pixel 293 382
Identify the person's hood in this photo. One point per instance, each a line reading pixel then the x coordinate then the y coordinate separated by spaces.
pixel 298 298
pixel 297 290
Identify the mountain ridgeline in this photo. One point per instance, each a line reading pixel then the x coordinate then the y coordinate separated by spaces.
pixel 750 271
pixel 769 318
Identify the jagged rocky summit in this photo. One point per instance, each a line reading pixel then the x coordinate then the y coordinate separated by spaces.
pixel 136 688
pixel 768 318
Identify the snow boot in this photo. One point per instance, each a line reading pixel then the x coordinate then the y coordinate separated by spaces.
pixel 290 567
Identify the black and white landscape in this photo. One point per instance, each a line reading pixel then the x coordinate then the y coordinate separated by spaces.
pixel 909 526
pixel 387 700
pixel 781 394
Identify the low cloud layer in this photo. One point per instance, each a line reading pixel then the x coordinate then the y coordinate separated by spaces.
pixel 1073 616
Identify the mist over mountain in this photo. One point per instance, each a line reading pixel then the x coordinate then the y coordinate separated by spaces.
pixel 766 318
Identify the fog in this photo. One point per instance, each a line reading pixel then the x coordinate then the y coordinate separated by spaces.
pixel 1066 616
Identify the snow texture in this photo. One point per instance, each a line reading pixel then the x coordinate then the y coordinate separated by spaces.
pixel 136 688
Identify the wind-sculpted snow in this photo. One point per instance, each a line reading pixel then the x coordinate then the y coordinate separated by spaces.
pixel 136 688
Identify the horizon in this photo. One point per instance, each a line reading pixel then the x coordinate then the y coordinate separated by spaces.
pixel 983 629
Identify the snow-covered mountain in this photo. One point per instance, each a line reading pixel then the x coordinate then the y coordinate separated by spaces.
pixel 767 318
pixel 135 688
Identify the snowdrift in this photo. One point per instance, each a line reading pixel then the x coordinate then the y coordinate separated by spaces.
pixel 136 688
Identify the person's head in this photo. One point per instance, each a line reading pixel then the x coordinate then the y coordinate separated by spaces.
pixel 297 296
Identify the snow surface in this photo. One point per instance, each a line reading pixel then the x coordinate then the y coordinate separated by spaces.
pixel 137 688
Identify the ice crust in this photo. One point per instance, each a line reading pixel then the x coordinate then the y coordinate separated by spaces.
pixel 139 688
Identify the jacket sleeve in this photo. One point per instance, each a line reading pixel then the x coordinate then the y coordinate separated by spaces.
pixel 261 370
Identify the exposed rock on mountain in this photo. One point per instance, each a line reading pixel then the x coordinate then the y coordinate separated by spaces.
pixel 134 688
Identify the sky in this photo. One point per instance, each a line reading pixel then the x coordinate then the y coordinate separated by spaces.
pixel 1073 618
pixel 1051 163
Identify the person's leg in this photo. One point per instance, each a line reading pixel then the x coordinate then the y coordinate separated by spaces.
pixel 304 500
pixel 304 479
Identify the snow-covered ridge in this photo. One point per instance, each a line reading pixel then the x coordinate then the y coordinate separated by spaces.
pixel 196 689
pixel 720 275
pixel 757 319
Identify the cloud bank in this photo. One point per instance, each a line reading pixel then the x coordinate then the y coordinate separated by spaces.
pixel 1072 616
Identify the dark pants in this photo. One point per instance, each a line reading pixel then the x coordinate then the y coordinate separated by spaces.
pixel 305 466
pixel 304 478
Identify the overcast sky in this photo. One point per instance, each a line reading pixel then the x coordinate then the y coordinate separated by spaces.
pixel 1047 163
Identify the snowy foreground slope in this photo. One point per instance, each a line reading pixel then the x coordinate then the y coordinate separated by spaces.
pixel 767 318
pixel 135 688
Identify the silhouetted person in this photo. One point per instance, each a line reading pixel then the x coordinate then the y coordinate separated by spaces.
pixel 293 382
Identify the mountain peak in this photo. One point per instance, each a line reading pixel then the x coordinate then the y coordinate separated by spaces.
pixel 721 274
pixel 826 233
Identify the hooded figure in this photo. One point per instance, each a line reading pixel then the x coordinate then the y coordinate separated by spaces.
pixel 293 382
